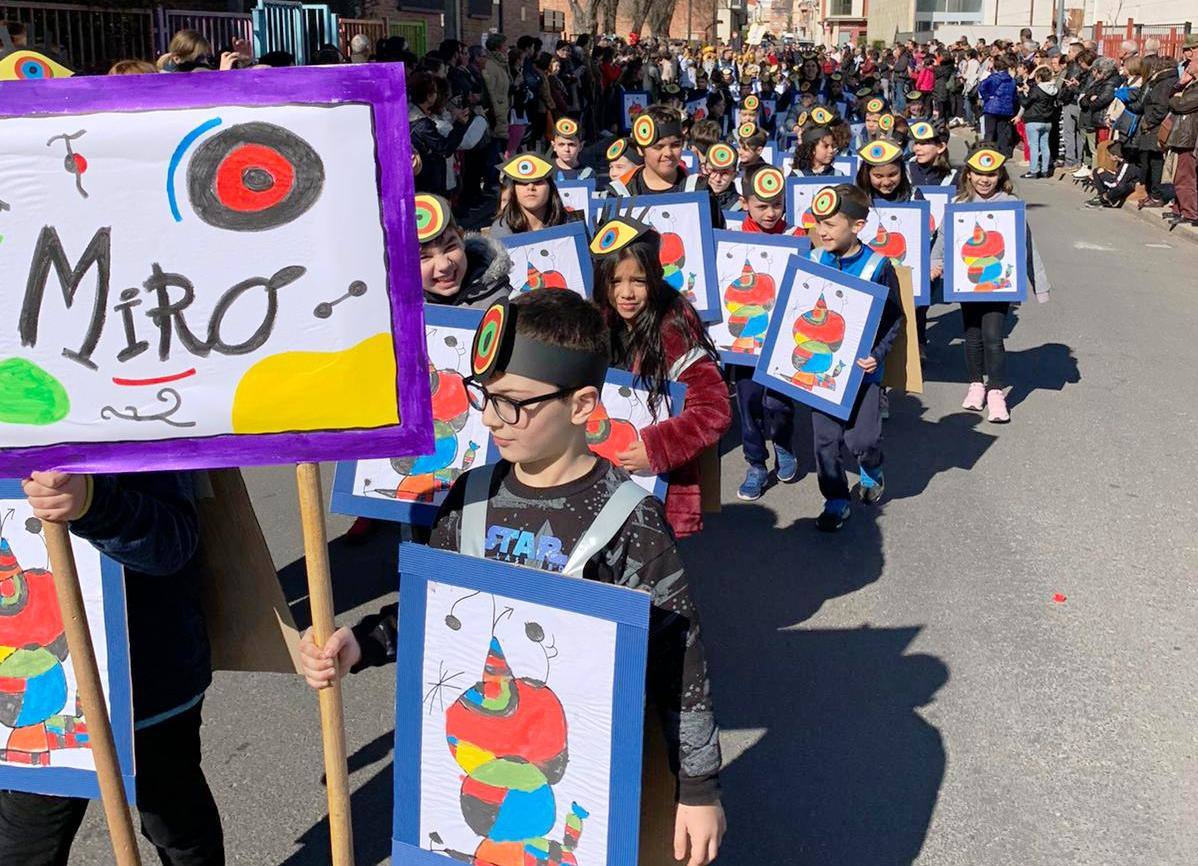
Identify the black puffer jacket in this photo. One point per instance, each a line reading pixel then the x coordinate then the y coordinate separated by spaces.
pixel 943 73
pixel 434 148
pixel 486 281
pixel 1095 98
pixel 1153 106
pixel 1040 102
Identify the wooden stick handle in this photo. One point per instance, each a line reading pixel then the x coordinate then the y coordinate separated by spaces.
pixel 91 694
pixel 320 598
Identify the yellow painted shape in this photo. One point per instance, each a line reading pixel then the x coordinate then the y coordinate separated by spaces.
pixel 302 391
pixel 6 651
pixel 470 757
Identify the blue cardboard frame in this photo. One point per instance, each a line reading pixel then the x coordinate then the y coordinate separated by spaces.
pixel 587 183
pixel 739 215
pixel 849 161
pixel 345 500
pixel 869 333
pixel 629 609
pixel 701 200
pixel 575 229
pixel 1019 254
pixel 625 120
pixel 70 781
pixel 800 246
pixel 928 193
pixel 677 392
pixel 922 291
pixel 795 181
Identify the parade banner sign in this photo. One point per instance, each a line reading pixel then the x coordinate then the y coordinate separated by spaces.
pixel 519 714
pixel 752 268
pixel 577 196
pixel 44 742
pixel 825 320
pixel 985 252
pixel 195 265
pixel 899 231
pixel 552 258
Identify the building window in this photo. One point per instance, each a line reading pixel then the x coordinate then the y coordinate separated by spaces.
pixel 841 7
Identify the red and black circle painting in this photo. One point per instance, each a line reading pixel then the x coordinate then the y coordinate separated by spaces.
pixel 253 177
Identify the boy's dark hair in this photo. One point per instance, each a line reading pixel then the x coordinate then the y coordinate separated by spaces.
pixel 664 114
pixel 560 317
pixel 855 194
pixel 704 134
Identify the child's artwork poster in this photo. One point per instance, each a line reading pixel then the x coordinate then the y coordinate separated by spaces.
pixel 633 103
pixel 195 265
pixel 577 196
pixel 519 714
pixel 985 252
pixel 552 258
pixel 824 321
pixel 937 198
pixel 752 268
pixel 690 160
pixel 734 221
pixel 769 107
pixel 899 231
pixel 845 165
pixel 800 190
pixel 624 410
pixel 683 219
pixel 696 108
pixel 43 735
pixel 410 489
pixel 773 155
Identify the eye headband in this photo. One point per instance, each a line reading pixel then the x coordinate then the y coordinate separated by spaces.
pixel 751 103
pixel 985 160
pixel 619 148
pixel 921 130
pixel 880 152
pixel 829 201
pixel 432 217
pixel 746 130
pixel 720 156
pixel 877 105
pixel 526 168
pixel 886 122
pixel 567 127
pixel 822 116
pixel 497 348
pixel 617 230
pixel 646 131
pixel 766 183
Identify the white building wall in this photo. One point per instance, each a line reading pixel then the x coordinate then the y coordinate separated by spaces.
pixel 1143 11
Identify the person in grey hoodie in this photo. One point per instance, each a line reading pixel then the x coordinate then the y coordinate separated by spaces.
pixel 1038 104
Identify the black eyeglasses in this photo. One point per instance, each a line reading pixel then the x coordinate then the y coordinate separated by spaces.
pixel 506 409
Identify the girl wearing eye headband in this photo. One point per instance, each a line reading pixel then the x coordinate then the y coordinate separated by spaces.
pixel 929 165
pixel 883 172
pixel 532 200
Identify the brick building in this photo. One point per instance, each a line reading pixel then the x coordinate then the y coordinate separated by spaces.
pixel 700 20
pixel 467 20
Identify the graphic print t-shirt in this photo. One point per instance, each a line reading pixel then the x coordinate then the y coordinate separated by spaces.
pixel 538 528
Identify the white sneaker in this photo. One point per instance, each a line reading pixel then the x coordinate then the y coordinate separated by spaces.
pixel 1082 172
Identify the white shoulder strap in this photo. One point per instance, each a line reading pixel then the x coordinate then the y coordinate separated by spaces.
pixel 692 182
pixel 585 173
pixel 607 524
pixel 472 534
pixel 950 178
pixel 871 265
pixel 620 188
pixel 684 362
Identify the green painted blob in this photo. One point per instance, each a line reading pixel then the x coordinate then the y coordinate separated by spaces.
pixel 505 773
pixel 30 395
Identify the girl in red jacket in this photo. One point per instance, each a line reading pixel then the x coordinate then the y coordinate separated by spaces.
pixel 657 335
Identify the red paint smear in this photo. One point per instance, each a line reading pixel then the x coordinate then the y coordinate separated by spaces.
pixel 80 163
pixel 158 380
pixel 1058 597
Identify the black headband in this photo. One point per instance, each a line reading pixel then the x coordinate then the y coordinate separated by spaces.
pixel 497 348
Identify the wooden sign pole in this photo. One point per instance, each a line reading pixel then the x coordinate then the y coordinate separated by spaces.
pixel 91 693
pixel 320 598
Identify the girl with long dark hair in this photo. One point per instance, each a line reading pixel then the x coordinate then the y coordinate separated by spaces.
pixel 657 335
pixel 532 201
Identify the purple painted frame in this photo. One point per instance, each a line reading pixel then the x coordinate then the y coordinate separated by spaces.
pixel 382 87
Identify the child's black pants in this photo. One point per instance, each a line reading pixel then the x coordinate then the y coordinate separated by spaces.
pixel 861 435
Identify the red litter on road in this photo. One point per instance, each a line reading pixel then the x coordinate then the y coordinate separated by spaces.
pixel 1058 598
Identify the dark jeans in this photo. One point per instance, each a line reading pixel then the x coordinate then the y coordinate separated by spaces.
pixel 1152 163
pixel 178 814
pixel 1001 131
pixel 985 354
pixel 763 414
pixel 861 435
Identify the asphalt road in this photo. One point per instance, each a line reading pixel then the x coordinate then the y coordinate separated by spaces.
pixel 907 690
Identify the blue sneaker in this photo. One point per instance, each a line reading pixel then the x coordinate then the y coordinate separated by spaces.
pixel 754 486
pixel 788 466
pixel 836 512
pixel 873 485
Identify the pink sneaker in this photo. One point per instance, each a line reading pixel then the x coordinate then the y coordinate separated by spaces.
pixel 996 407
pixel 975 397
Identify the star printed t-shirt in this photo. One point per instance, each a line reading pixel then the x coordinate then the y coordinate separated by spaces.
pixel 538 527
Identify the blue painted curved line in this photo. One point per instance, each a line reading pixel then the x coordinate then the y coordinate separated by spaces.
pixel 177 157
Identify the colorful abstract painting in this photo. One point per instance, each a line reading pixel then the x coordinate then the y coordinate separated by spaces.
pixel 44 744
pixel 899 231
pixel 553 258
pixel 196 264
pixel 519 706
pixel 577 196
pixel 985 252
pixel 633 102
pixel 800 190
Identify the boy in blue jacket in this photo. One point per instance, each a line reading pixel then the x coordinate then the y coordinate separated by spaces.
pixel 147 522
pixel 997 93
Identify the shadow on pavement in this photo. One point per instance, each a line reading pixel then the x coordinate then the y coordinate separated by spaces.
pixel 370 807
pixel 362 572
pixel 919 449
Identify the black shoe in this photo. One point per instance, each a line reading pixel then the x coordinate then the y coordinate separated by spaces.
pixel 1030 175
pixel 833 516
pixel 1095 203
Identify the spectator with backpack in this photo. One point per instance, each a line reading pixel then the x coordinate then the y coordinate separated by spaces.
pixel 1152 105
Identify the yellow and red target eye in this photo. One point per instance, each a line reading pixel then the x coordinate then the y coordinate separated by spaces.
pixel 527 168
pixel 720 156
pixel 803 119
pixel 612 236
pixel 821 115
pixel 986 160
pixel 881 152
pixel 923 131
pixel 768 183
pixel 752 103
pixel 430 217
pixel 24 65
pixel 886 122
pixel 826 202
pixel 875 106
pixel 566 127
pixel 747 130
pixel 644 130
pixel 253 177
pixel 487 339
pixel 616 149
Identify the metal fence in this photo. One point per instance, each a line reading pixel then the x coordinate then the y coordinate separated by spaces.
pixel 220 28
pixel 89 38
pixel 1110 37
